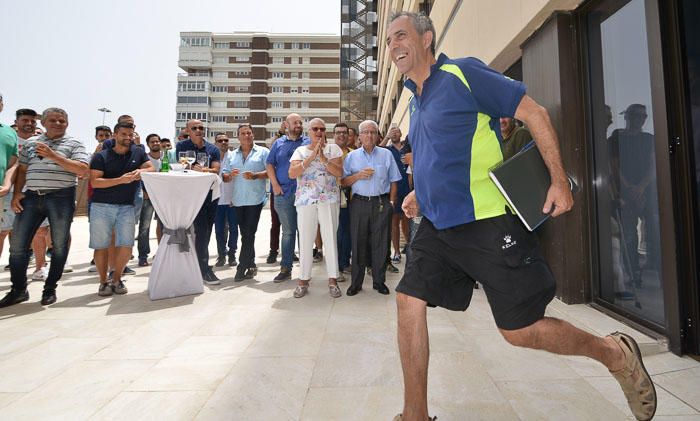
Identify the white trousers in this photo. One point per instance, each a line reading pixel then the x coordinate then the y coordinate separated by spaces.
pixel 308 218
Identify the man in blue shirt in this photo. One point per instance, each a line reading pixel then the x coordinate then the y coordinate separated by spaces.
pixel 204 221
pixel 115 175
pixel 245 169
pixel 467 233
pixel 372 174
pixel 285 188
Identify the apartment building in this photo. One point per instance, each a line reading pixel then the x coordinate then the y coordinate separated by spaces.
pixel 259 78
pixel 621 82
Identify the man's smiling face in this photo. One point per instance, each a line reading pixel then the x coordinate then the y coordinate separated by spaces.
pixel 406 46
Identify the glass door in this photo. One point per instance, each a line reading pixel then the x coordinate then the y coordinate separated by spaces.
pixel 626 111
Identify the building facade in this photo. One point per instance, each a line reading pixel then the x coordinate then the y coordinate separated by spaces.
pixel 621 82
pixel 258 78
pixel 358 67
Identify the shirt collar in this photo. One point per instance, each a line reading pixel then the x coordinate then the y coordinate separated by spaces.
pixel 364 151
pixel 442 58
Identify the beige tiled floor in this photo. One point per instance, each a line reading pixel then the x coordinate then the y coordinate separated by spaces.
pixel 250 351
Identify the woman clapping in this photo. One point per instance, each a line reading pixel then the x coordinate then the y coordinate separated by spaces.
pixel 316 166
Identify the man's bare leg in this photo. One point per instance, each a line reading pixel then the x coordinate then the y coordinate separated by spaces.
pixel 112 254
pixel 39 245
pixel 560 337
pixel 123 254
pixel 415 352
pixel 3 235
pixel 101 264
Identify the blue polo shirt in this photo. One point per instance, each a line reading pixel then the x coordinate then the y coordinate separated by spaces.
pixel 456 138
pixel 247 192
pixel 188 145
pixel 114 165
pixel 280 154
pixel 385 171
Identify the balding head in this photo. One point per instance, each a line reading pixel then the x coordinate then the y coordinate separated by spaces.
pixel 295 126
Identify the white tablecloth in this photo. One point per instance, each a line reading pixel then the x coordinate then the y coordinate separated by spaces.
pixel 177 198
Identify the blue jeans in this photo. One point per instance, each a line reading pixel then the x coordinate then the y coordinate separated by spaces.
pixel 287 213
pixel 226 214
pixel 59 207
pixel 138 203
pixel 145 228
pixel 344 240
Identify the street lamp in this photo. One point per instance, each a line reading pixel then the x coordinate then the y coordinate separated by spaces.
pixel 104 110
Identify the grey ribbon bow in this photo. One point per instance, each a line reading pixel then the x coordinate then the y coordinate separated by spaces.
pixel 180 236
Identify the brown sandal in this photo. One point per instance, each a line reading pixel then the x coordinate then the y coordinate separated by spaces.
pixel 634 379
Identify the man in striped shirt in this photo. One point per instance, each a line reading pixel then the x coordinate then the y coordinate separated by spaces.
pixel 48 168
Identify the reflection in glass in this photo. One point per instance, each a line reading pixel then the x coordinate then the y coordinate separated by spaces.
pixel 691 15
pixel 625 163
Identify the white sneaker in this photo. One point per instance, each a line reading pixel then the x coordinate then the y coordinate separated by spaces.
pixel 67 269
pixel 92 269
pixel 41 274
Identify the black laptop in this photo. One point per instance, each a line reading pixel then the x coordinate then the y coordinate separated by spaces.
pixel 524 181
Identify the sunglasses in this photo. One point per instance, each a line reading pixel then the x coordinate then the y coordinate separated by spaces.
pixel 197 128
pixel 222 141
pixel 319 129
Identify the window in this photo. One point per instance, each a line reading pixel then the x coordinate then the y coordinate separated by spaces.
pixel 241 73
pixel 198 73
pixel 278 75
pixel 240 117
pixel 219 88
pixel 221 60
pixel 242 59
pixel 241 89
pixel 295 75
pixel 189 116
pixel 192 100
pixel 220 45
pixel 271 133
pixel 307 46
pixel 218 119
pixel 220 75
pixel 306 75
pixel 293 90
pixel 305 90
pixel 242 44
pixel 295 46
pixel 307 60
pixel 276 104
pixel 293 104
pixel 240 104
pixel 218 104
pixel 277 60
pixel 195 41
pixel 277 90
pixel 277 119
pixel 304 105
pixel 278 45
pixel 191 86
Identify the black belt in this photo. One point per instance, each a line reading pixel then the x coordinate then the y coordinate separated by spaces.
pixel 44 192
pixel 369 198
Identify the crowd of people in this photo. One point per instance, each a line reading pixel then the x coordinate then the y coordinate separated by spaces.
pixel 345 202
pixel 337 200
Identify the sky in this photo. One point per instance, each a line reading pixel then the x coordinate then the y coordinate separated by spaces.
pixel 81 55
